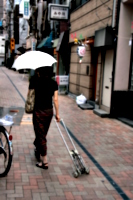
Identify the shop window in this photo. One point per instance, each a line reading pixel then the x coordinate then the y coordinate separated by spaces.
pixel 74 4
pixel 83 1
pixel 78 3
pixel 63 2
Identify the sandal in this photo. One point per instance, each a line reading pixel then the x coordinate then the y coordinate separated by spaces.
pixel 43 166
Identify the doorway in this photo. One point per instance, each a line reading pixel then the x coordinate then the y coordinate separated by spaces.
pixel 107 80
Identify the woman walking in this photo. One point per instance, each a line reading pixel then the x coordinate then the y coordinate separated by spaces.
pixel 46 93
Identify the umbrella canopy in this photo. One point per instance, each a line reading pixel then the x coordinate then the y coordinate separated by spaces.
pixel 33 60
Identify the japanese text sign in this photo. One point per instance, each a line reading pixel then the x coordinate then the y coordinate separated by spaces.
pixel 62 80
pixel 58 12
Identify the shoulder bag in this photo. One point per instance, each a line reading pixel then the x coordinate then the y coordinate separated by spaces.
pixel 29 104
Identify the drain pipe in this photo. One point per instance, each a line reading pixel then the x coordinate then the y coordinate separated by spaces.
pixel 113 15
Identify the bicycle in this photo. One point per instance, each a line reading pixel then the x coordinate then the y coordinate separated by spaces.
pixel 6 146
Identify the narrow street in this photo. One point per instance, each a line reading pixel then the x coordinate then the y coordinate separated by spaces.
pixel 105 144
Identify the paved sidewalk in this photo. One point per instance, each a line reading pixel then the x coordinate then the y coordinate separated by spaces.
pixel 105 144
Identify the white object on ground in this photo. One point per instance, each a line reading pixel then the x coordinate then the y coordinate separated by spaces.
pixel 81 99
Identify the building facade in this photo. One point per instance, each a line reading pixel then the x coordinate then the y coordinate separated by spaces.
pixel 105 73
pixel 52 36
pixel 105 29
pixel 122 93
pixel 2 31
pixel 86 19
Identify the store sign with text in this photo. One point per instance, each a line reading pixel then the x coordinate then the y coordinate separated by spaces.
pixel 26 14
pixel 58 12
pixel 62 80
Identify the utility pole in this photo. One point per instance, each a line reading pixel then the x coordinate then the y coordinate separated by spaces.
pixel 10 13
pixel 9 10
pixel 33 29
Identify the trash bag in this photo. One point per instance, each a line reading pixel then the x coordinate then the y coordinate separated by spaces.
pixel 81 99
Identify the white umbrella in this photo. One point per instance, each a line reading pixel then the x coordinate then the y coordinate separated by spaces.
pixel 33 60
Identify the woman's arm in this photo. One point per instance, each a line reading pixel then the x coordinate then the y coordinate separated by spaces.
pixel 56 105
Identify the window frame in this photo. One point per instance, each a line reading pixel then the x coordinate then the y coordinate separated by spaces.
pixel 79 6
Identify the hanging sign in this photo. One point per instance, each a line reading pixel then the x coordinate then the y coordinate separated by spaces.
pixel 81 51
pixel 58 12
pixel 26 14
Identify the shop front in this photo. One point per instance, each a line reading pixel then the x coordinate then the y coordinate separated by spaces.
pixel 62 54
pixel 122 95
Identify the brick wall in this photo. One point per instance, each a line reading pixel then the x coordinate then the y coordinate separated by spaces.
pixel 80 81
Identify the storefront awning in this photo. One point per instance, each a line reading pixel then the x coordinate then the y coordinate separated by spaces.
pixel 55 42
pixel 63 41
pixel 46 42
pixel 42 43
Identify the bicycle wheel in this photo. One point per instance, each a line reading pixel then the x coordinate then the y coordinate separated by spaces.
pixel 5 152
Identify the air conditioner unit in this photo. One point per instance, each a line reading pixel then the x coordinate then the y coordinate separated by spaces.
pixel 104 37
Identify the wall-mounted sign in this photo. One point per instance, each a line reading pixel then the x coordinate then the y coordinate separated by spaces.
pixel 26 14
pixel 58 12
pixel 62 80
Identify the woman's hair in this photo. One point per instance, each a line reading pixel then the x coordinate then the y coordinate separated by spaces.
pixel 45 71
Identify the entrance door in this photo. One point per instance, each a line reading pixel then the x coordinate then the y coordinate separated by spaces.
pixel 107 78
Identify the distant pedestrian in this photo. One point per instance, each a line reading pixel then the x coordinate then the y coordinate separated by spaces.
pixel 46 90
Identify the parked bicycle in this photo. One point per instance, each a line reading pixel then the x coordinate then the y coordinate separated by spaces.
pixel 6 147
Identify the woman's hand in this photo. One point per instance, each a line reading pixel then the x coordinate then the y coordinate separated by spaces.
pixel 57 118
pixel 56 106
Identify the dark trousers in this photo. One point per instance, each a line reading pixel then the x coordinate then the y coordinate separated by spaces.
pixel 41 123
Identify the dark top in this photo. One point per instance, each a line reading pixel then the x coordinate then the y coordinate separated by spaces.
pixel 44 90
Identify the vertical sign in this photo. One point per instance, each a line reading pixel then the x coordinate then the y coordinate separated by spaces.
pixel 33 43
pixel 0 23
pixel 26 9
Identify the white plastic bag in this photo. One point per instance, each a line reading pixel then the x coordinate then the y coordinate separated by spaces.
pixel 7 120
pixel 81 99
